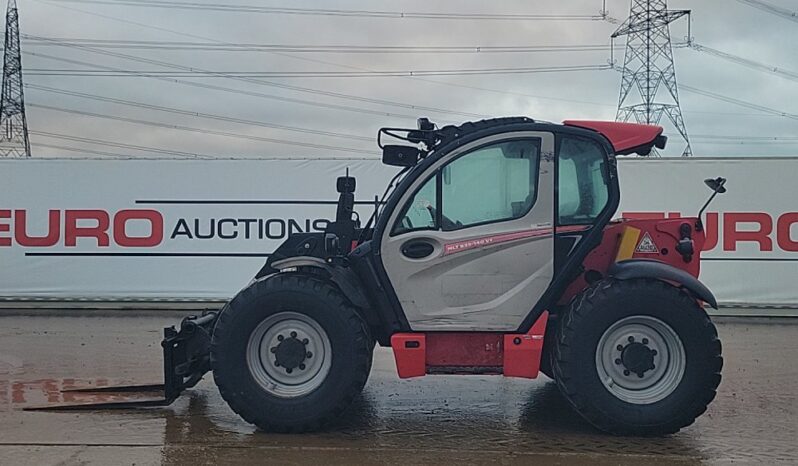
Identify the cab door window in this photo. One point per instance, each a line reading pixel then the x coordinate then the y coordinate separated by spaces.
pixel 419 213
pixel 583 188
pixel 494 183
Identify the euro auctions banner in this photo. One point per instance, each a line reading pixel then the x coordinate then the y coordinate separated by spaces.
pixel 200 229
pixel 150 229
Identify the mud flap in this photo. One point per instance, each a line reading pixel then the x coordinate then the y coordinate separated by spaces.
pixel 186 358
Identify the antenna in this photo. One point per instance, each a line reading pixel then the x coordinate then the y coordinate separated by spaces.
pixel 648 67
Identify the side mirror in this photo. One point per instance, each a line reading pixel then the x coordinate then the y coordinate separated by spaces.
pixel 717 187
pixel 400 156
pixel 345 184
pixel 716 184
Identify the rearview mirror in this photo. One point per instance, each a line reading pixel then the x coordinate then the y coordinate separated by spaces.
pixel 400 156
pixel 716 184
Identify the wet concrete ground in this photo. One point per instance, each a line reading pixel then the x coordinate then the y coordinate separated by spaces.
pixel 437 419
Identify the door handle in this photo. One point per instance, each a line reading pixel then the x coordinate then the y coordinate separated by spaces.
pixel 415 249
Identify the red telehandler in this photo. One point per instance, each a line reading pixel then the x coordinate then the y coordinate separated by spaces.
pixel 494 252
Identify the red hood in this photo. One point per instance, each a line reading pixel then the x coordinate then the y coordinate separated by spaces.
pixel 623 136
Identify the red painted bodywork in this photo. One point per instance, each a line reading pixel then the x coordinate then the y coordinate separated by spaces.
pixel 622 136
pixel 664 233
pixel 409 350
pixel 464 350
pixel 522 352
pixel 513 355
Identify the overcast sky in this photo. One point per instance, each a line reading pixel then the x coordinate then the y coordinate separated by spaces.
pixel 725 25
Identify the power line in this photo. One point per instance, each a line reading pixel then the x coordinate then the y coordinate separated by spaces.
pixel 331 93
pixel 758 143
pixel 300 48
pixel 724 137
pixel 307 48
pixel 274 84
pixel 313 74
pixel 746 62
pixel 351 109
pixel 731 100
pixel 340 12
pixel 257 94
pixel 772 9
pixel 328 93
pixel 271 48
pixel 241 91
pixel 82 150
pixel 316 91
pixel 101 142
pixel 348 136
pixel 300 89
pixel 770 112
pixel 198 114
pixel 203 131
pixel 194 72
pixel 738 102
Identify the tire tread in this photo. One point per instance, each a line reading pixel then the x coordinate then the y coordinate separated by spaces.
pixel 357 329
pixel 579 313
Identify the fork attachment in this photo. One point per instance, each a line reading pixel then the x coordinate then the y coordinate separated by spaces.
pixel 186 358
pixel 186 354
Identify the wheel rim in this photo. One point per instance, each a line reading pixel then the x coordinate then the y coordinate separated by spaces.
pixel 640 359
pixel 289 354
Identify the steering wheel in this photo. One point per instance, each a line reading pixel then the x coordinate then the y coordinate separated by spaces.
pixel 406 223
pixel 448 223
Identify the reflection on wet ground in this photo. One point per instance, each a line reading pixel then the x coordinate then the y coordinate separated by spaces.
pixel 471 420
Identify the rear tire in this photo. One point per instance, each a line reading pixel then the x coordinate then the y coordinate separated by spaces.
pixel 637 357
pixel 290 353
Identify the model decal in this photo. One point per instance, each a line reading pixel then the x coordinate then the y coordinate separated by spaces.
pixel 460 246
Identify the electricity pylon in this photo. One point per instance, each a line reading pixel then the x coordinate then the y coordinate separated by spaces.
pixel 648 68
pixel 14 140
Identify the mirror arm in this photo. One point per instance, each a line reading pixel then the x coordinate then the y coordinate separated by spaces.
pixel 715 191
pixel 706 204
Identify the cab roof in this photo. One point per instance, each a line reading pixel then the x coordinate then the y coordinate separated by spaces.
pixel 626 138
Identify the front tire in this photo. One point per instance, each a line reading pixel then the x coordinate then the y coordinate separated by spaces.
pixel 637 357
pixel 290 353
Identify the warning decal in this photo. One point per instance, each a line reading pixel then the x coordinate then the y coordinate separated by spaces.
pixel 646 245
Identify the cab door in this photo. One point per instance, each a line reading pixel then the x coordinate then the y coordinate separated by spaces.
pixel 471 246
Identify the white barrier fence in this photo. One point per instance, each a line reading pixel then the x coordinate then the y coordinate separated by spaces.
pixel 199 229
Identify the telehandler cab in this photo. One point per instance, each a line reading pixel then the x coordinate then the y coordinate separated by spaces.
pixel 495 253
